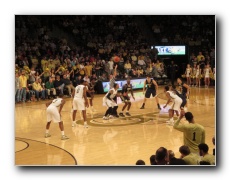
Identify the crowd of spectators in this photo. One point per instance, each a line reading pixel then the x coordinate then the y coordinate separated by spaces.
pixel 163 156
pixel 42 54
pixel 195 31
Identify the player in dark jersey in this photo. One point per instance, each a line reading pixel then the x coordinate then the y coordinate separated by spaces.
pixel 184 101
pixel 90 94
pixel 151 89
pixel 126 88
pixel 183 89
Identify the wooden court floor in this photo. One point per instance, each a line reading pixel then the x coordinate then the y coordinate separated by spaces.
pixel 116 142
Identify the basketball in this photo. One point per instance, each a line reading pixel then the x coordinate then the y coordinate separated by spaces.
pixel 116 59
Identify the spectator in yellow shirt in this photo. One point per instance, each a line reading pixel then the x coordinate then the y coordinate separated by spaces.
pixel 200 55
pixel 22 86
pixel 189 157
pixel 203 150
pixel 88 69
pixel 39 91
pixel 127 67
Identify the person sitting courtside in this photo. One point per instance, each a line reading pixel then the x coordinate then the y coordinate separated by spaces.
pixel 203 150
pixel 173 160
pixel 161 156
pixel 140 162
pixel 188 157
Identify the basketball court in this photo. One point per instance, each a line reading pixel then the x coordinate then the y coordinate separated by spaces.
pixel 116 142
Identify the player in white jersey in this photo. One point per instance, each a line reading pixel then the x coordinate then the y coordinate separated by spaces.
pixel 207 72
pixel 188 72
pixel 177 101
pixel 110 101
pixel 80 102
pixel 53 114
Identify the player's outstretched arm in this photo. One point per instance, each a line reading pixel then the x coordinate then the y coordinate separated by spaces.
pixel 115 71
pixel 177 125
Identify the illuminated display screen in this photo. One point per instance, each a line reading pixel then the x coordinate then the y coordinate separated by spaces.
pixel 136 84
pixel 170 50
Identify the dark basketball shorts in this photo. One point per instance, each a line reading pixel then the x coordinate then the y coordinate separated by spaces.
pixel 150 92
pixel 89 95
pixel 125 99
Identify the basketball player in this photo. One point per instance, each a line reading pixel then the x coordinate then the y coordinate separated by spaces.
pixel 177 101
pixel 55 115
pixel 194 133
pixel 109 100
pixel 184 101
pixel 126 88
pixel 80 102
pixel 183 88
pixel 90 94
pixel 207 72
pixel 151 89
pixel 112 80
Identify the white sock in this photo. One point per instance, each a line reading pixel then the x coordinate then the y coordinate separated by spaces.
pixel 85 123
pixel 127 111
pixel 47 131
pixel 62 133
